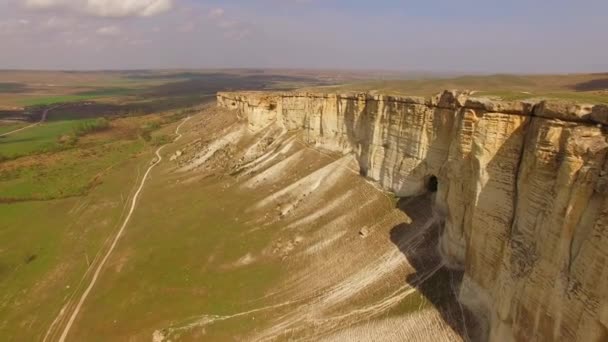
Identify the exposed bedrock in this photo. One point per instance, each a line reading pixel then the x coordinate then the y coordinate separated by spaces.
pixel 521 188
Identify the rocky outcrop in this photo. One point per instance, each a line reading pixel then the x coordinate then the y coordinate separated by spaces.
pixel 522 190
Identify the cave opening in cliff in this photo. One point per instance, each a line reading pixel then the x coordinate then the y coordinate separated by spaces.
pixel 432 184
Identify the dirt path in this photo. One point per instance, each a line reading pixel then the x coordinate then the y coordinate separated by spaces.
pixel 99 268
pixel 42 119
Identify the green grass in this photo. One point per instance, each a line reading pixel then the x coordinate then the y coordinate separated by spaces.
pixel 162 139
pixel 77 97
pixel 46 245
pixel 11 87
pixel 73 174
pixel 90 126
pixel 145 132
pixel 113 91
pixel 38 139
pixel 175 264
pixel 46 137
pixel 63 235
pixel 12 127
pixel 49 100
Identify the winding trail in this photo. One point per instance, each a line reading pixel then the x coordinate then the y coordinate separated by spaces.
pixel 42 119
pixel 99 268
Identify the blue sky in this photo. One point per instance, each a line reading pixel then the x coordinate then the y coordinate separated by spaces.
pixel 539 36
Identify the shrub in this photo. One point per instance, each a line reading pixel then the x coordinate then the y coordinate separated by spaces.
pixel 68 140
pixel 90 126
pixel 160 140
pixel 151 126
pixel 145 132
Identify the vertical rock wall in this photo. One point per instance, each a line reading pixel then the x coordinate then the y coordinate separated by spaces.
pixel 522 192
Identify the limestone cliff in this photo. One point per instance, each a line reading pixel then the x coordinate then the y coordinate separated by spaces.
pixel 521 190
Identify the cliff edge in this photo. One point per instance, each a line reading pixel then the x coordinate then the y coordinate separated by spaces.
pixel 520 188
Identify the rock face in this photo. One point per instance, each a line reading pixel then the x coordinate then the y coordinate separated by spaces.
pixel 521 187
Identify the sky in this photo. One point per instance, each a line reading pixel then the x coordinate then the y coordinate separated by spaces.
pixel 477 36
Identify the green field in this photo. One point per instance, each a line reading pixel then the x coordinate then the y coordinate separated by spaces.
pixel 79 96
pixel 65 234
pixel 38 139
pixel 46 246
pixel 153 280
pixel 11 127
pixel 73 173
pixel 48 100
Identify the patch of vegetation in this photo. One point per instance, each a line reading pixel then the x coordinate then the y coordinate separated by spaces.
pixel 64 235
pixel 12 87
pixel 90 126
pixel 77 97
pixel 179 115
pixel 103 92
pixel 184 275
pixel 49 100
pixel 159 140
pixel 70 173
pixel 146 130
pixel 52 136
pixel 11 127
pixel 39 139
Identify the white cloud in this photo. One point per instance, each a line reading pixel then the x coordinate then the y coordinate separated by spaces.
pixel 232 29
pixel 216 13
pixel 12 26
pixel 108 31
pixel 186 27
pixel 237 34
pixel 227 24
pixel 105 8
pixel 56 23
pixel 77 41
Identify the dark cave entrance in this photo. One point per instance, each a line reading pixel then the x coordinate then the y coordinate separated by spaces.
pixel 431 183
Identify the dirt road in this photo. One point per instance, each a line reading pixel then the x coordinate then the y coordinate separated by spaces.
pixel 99 268
pixel 42 119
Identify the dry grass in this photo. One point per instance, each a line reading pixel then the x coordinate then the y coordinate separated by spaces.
pixel 580 87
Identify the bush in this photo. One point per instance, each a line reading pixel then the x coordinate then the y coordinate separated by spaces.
pixel 160 140
pixel 68 140
pixel 145 131
pixel 145 134
pixel 90 126
pixel 151 126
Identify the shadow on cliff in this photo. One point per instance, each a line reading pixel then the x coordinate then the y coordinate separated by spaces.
pixel 417 240
pixel 439 285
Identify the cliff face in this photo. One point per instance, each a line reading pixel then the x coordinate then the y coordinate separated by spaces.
pixel 521 191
